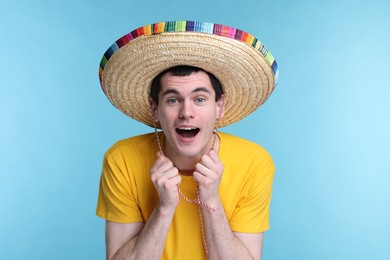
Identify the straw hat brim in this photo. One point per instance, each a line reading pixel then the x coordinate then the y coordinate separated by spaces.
pixel 247 77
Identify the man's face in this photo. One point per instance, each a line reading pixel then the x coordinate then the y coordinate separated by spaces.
pixel 187 112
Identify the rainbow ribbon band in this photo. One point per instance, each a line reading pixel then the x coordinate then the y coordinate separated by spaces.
pixel 191 26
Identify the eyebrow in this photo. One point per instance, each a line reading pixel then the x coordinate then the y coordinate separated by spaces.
pixel 174 91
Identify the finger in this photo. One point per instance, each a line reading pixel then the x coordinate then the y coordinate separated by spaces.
pixel 170 173
pixel 216 161
pixel 161 165
pixel 169 181
pixel 199 177
pixel 160 178
pixel 213 155
pixel 202 169
pixel 176 180
pixel 166 166
pixel 207 161
pixel 158 162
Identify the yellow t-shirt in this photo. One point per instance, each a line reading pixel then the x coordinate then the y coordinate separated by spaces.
pixel 127 194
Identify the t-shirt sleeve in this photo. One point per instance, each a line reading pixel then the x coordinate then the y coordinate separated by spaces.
pixel 253 212
pixel 116 201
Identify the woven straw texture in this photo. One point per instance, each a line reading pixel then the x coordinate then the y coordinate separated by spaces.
pixel 247 76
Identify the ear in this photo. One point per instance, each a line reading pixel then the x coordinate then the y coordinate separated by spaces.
pixel 153 109
pixel 221 106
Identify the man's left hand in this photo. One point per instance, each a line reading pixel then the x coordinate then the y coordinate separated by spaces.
pixel 208 174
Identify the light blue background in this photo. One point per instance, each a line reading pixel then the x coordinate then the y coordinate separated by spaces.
pixel 327 125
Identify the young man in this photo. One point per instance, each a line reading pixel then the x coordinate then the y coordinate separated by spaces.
pixel 187 192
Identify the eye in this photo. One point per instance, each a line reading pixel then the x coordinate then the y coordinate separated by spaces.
pixel 200 100
pixel 172 100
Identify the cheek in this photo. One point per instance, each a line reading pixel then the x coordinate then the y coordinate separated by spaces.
pixel 165 115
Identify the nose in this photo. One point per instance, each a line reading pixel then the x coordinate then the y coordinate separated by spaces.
pixel 186 110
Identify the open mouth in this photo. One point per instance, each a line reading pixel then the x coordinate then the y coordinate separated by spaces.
pixel 188 132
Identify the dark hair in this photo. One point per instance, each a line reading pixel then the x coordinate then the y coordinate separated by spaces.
pixel 183 70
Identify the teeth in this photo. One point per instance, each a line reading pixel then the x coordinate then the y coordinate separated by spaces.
pixel 187 128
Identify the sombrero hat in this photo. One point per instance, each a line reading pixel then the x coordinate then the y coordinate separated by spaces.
pixel 246 69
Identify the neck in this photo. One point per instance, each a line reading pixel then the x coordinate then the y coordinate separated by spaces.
pixel 186 164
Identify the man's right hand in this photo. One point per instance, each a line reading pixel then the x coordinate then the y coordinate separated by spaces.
pixel 141 240
pixel 166 179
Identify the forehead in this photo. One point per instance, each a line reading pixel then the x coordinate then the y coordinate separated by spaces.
pixel 188 83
